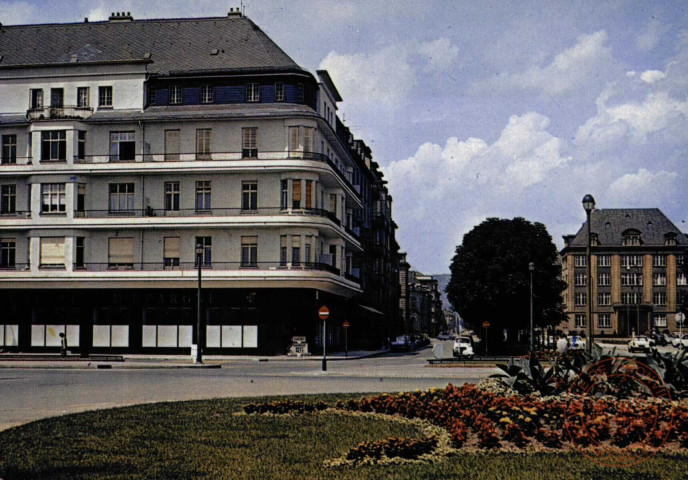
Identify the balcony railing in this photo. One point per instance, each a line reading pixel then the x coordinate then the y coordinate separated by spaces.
pixel 64 112
pixel 214 212
pixel 11 266
pixel 214 266
pixel 215 156
pixel 14 160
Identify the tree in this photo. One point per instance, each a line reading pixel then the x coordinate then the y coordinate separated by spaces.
pixel 490 279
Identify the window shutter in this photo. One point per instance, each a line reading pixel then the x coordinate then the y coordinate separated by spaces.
pixel 171 247
pixel 120 250
pixel 53 251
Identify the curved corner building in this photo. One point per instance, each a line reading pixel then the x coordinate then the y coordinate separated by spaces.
pixel 127 145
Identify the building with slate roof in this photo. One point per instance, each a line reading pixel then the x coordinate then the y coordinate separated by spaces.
pixel 637 269
pixel 129 144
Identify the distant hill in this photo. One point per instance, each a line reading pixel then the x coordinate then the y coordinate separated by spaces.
pixel 443 280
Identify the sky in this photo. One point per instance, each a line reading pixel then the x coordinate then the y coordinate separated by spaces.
pixel 478 109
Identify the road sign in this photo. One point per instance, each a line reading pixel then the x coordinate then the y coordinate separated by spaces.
pixel 345 325
pixel 680 317
pixel 324 313
pixel 486 324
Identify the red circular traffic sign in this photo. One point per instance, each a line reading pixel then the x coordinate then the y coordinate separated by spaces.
pixel 345 324
pixel 486 324
pixel 324 313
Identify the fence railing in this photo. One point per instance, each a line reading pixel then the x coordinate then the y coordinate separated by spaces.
pixel 62 112
pixel 174 264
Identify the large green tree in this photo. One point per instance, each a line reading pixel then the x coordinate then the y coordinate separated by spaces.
pixel 490 279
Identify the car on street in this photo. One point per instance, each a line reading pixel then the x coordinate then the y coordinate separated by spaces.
pixel 402 343
pixel 576 342
pixel 463 348
pixel 679 342
pixel 446 336
pixel 639 343
pixel 658 340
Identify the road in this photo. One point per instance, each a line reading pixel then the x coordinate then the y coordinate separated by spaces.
pixel 32 394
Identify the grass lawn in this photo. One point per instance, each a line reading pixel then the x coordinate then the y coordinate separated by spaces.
pixel 206 440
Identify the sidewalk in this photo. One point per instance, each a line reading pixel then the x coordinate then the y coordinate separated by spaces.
pixel 75 361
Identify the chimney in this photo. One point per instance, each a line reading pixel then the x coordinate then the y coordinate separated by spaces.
pixel 234 12
pixel 121 17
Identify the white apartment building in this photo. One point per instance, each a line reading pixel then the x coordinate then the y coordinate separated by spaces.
pixel 126 145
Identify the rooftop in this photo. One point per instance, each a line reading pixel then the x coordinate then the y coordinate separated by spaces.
pixel 168 45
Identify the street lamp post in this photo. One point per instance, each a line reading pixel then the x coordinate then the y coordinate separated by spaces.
pixel 199 260
pixel 531 267
pixel 589 206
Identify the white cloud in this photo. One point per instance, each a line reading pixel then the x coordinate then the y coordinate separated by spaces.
pixel 18 13
pixel 588 62
pixel 650 35
pixel 441 54
pixel 382 77
pixel 644 188
pixel 651 76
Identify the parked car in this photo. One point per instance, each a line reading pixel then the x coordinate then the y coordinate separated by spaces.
pixel 639 343
pixel 463 347
pixel 657 340
pixel 446 336
pixel 401 344
pixel 680 342
pixel 576 342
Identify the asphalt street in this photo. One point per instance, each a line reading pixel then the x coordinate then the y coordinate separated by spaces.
pixel 32 394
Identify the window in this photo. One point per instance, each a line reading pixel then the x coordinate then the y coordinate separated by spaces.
pixel 253 92
pixel 604 298
pixel 659 321
pixel 296 250
pixel 670 239
pixel 579 278
pixel 631 279
pixel 9 149
pixel 630 298
pixel 279 92
pixel 81 198
pixel 293 141
pixel 283 250
pixel 603 279
pixel 580 299
pixel 170 253
pixel 172 195
pixel 299 92
pixel 579 321
pixel 175 95
pixel 284 194
pixel 249 251
pixel 152 99
pixel 659 261
pixel 80 250
pixel 681 279
pixel 604 320
pixel 203 139
pixel 659 298
pixel 207 94
pixel 53 198
pixel 52 252
pixel 8 199
pixel 104 97
pixel 203 196
pixel 659 279
pixel 172 145
pixel 632 239
pixel 309 194
pixel 56 97
pixel 579 261
pixel 604 260
pixel 680 260
pixel 249 142
pixel 81 145
pixel 296 193
pixel 631 260
pixel 307 249
pixel 121 252
pixel 307 139
pixel 8 253
pixel 83 97
pixel 249 195
pixel 122 146
pixel 121 200
pixel 207 244
pixel 36 99
pixel 54 146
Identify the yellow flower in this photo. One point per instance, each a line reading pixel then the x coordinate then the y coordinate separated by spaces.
pixel 505 420
pixel 520 417
pixel 528 420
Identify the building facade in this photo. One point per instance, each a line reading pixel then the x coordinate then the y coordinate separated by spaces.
pixel 425 305
pixel 637 273
pixel 129 146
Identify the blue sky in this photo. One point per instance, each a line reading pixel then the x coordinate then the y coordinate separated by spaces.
pixel 481 109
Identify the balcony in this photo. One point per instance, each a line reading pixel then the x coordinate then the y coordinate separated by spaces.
pixel 215 212
pixel 212 266
pixel 216 157
pixel 64 112
pixel 12 266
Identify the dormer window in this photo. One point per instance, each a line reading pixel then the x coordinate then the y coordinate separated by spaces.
pixel 594 240
pixel 631 238
pixel 207 94
pixel 670 239
pixel 252 92
pixel 279 92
